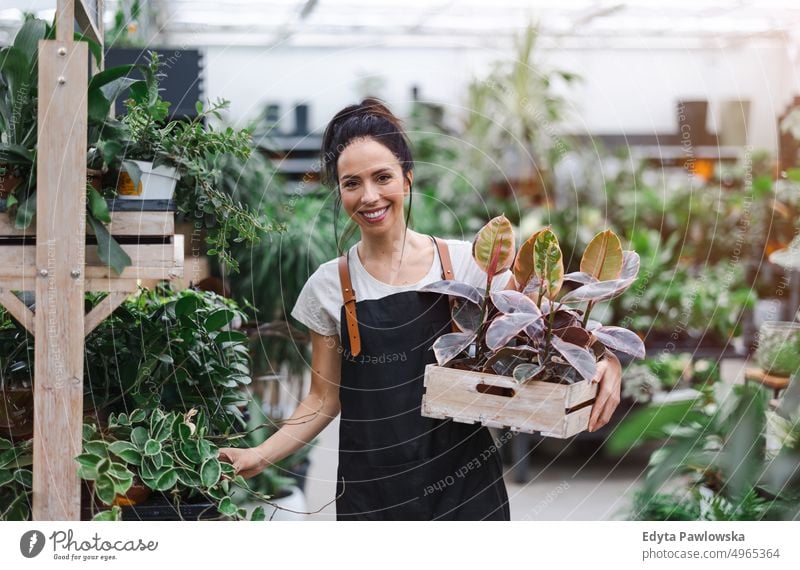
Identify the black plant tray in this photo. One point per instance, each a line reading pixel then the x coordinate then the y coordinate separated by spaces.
pixel 122 205
pixel 159 508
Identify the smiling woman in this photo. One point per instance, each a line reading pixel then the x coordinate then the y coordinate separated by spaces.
pixel 372 332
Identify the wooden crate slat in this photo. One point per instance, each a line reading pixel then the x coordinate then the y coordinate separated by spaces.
pixel 122 224
pixel 534 407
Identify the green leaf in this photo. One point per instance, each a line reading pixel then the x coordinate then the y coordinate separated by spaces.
pixel 227 507
pixel 166 359
pixel 167 480
pixel 188 477
pixel 218 319
pixel 25 212
pixel 602 258
pixel 132 168
pixel 96 447
pixel 182 432
pixel 113 514
pixel 230 336
pixel 205 449
pixel 210 472
pixel 88 460
pixel 119 471
pixel 258 514
pixel 24 477
pixel 97 205
pixel 6 476
pixel 190 452
pixel 152 447
pixel 139 437
pixel 493 246
pixel 28 37
pixel 104 489
pixel 158 461
pixel 186 305
pixel 548 263
pixel 108 249
pixel 649 423
pixel 138 416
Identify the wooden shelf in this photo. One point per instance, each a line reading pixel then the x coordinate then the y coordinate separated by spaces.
pixel 159 223
pixel 18 269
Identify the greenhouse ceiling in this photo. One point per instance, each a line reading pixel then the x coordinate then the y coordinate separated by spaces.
pixel 447 23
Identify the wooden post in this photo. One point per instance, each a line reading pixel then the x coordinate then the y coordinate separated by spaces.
pixel 60 257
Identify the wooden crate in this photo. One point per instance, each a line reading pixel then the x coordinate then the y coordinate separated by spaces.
pixel 555 410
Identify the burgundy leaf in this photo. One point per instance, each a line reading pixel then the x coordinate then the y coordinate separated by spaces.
pixel 450 345
pixel 575 335
pixel 618 338
pixel 580 277
pixel 506 327
pixel 467 316
pixel 504 360
pixel 599 291
pixel 514 302
pixel 578 357
pixel 524 372
pixel 535 330
pixel 630 265
pixel 455 289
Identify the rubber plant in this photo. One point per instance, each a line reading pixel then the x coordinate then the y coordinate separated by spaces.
pixel 537 331
pixel 169 452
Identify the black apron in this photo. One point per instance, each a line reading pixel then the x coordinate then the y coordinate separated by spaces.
pixel 395 464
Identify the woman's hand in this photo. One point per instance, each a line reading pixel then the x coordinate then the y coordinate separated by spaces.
pixel 609 376
pixel 247 461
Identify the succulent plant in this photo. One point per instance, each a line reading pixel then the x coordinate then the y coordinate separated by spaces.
pixel 534 332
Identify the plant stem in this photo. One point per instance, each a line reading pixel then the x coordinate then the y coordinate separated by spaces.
pixel 589 306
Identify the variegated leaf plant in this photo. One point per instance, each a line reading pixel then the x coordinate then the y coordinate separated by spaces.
pixel 535 332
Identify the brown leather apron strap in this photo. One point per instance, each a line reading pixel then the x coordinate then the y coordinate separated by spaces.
pixel 349 299
pixel 447 273
pixel 349 295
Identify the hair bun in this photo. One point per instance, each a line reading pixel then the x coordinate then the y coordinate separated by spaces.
pixel 376 107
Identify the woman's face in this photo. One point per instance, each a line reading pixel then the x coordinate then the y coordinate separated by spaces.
pixel 372 185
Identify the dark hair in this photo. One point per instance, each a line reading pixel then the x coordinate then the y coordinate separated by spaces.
pixel 369 119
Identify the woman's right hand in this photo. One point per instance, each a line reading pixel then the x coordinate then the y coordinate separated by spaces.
pixel 246 461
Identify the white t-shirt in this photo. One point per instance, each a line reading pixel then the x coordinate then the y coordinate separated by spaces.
pixel 320 302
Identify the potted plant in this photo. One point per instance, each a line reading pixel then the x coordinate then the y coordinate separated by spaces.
pixel 526 358
pixel 778 350
pixel 181 158
pixel 171 454
pixel 170 349
pixel 18 132
pixel 724 453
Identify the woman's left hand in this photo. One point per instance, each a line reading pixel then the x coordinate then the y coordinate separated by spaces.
pixel 609 376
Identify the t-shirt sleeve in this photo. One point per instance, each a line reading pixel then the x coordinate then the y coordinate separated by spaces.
pixel 475 276
pixel 310 310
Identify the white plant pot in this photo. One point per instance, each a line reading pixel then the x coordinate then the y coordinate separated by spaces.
pixel 156 183
pixel 296 501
